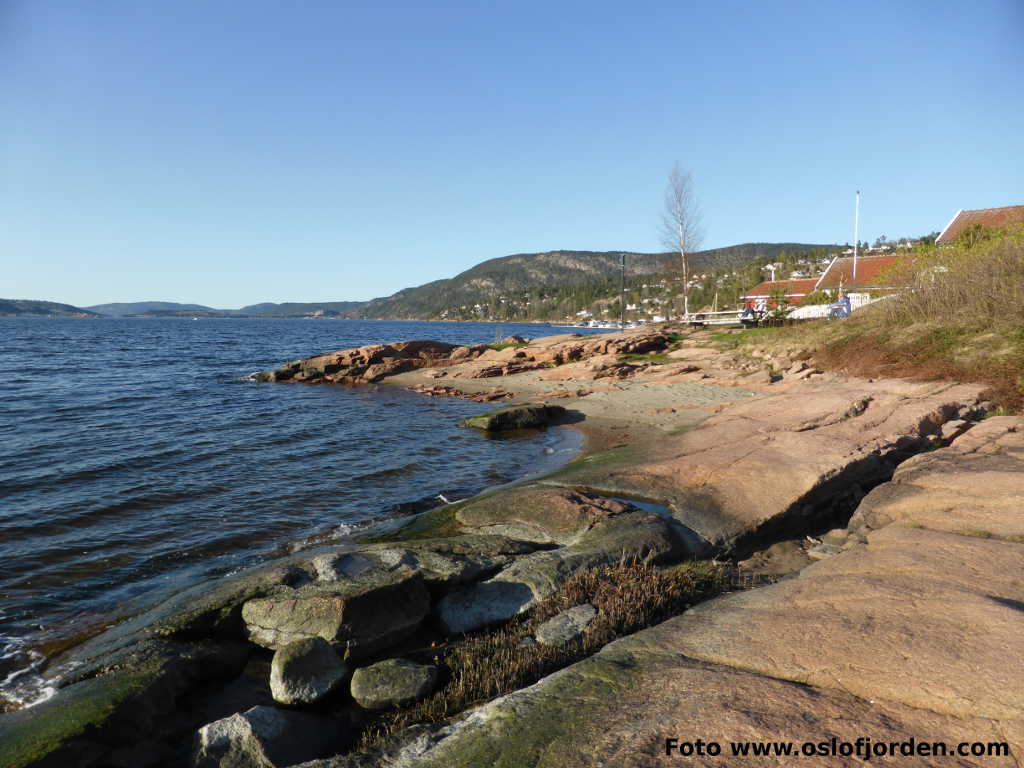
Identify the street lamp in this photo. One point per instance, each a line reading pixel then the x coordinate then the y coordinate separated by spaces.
pixel 622 294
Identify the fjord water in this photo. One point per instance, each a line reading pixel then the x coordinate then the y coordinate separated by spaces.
pixel 136 459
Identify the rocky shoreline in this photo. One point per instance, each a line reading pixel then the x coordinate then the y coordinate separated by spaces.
pixel 905 489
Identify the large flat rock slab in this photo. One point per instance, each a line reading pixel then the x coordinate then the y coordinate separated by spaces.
pixel 928 619
pixel 542 515
pixel 785 456
pixel 618 707
pixel 974 486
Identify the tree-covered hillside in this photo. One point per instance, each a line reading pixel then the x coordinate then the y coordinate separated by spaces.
pixel 557 284
pixel 32 308
pixel 301 309
pixel 124 309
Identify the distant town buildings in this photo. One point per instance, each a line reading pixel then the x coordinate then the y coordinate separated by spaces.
pixel 770 292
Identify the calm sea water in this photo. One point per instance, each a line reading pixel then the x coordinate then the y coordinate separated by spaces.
pixel 135 459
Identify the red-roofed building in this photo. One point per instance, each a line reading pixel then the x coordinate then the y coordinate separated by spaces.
pixel 871 274
pixel 990 218
pixel 793 290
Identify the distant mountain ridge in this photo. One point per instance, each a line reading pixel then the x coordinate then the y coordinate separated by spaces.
pixel 482 283
pixel 266 309
pixel 33 308
pixel 291 308
pixel 122 309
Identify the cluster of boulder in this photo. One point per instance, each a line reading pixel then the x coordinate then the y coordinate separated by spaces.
pixel 369 364
pixel 304 674
pixel 349 628
pixel 365 365
pixel 441 390
pixel 566 357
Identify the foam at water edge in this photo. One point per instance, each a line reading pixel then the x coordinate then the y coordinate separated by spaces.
pixel 25 686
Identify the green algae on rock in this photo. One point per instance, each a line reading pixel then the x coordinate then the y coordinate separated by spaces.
pixel 515 417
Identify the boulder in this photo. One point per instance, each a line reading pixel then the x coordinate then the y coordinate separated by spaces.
pixel 265 737
pixel 392 683
pixel 515 417
pixel 836 537
pixel 358 615
pixel 566 626
pixel 443 563
pixel 822 550
pixel 805 373
pixel 305 671
pixel 462 354
pixel 482 605
pixel 953 429
pixel 538 514
pixel 633 534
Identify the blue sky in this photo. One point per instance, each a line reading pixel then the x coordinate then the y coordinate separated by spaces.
pixel 234 152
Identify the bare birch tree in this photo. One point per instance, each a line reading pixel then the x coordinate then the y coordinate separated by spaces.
pixel 681 222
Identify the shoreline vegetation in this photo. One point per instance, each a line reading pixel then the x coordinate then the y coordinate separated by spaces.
pixel 764 528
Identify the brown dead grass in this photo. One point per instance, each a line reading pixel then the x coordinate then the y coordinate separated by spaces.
pixel 483 666
pixel 959 317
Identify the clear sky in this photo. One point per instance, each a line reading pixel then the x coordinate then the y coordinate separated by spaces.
pixel 227 153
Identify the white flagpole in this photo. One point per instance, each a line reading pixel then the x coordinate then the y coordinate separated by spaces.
pixel 856 237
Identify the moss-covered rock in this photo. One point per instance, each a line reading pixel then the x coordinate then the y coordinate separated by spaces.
pixel 392 683
pixel 358 615
pixel 515 417
pixel 69 729
pixel 544 515
pixel 305 671
pixel 126 704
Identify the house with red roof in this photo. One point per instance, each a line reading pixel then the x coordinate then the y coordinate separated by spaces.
pixel 866 273
pixel 989 218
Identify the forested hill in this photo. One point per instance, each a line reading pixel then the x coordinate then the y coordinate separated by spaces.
pixel 125 309
pixel 267 309
pixel 298 309
pixel 556 271
pixel 31 308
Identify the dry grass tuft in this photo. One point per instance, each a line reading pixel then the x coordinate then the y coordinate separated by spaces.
pixel 628 597
pixel 960 316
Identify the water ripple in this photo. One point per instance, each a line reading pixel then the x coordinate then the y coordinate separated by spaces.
pixel 136 459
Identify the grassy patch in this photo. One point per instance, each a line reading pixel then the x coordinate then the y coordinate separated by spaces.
pixel 957 317
pixel 628 597
pixel 596 461
pixel 733 339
